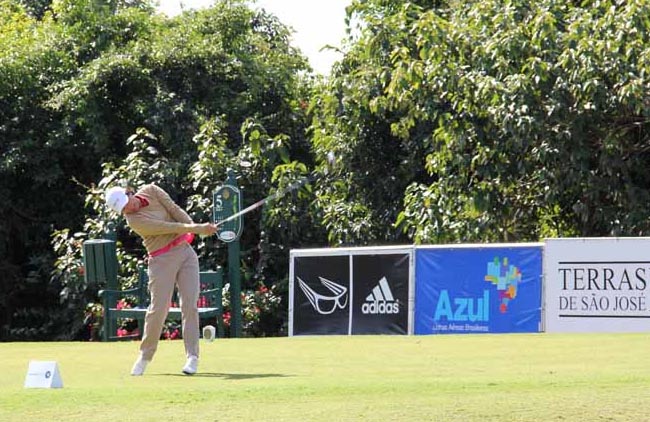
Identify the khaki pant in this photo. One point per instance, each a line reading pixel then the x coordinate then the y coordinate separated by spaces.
pixel 180 267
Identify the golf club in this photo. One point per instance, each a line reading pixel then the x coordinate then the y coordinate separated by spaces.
pixel 293 186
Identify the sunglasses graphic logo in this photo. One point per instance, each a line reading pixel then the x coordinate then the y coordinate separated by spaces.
pixel 325 305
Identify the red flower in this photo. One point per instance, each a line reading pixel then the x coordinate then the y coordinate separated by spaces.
pixel 122 304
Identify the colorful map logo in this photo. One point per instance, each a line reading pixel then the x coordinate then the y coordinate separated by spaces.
pixel 506 278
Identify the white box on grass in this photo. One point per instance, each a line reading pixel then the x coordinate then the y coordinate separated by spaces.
pixel 43 374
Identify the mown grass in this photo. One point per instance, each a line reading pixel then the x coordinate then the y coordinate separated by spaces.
pixel 537 377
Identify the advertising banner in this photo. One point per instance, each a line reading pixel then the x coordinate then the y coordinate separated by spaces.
pixel 478 289
pixel 597 285
pixel 380 293
pixel 321 293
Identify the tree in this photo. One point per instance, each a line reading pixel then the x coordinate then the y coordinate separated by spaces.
pixel 350 119
pixel 525 120
pixel 88 76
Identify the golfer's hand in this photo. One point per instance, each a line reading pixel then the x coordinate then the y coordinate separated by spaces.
pixel 207 229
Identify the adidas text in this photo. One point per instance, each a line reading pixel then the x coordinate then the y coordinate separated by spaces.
pixel 375 308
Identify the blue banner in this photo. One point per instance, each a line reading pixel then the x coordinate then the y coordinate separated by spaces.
pixel 478 290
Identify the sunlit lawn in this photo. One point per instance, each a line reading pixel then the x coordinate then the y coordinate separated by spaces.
pixel 503 378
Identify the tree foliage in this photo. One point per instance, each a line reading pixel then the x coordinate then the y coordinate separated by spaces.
pixel 506 121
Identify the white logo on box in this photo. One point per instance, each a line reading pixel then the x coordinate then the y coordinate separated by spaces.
pixel 322 304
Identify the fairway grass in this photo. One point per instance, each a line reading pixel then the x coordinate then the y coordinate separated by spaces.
pixel 464 378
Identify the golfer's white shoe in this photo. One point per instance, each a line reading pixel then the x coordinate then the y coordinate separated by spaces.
pixel 191 365
pixel 139 366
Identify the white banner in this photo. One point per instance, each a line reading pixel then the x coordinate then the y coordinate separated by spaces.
pixel 597 285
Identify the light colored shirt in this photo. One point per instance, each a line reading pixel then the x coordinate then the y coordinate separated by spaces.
pixel 160 222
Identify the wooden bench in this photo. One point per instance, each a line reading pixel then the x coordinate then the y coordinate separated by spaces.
pixel 211 290
pixel 101 269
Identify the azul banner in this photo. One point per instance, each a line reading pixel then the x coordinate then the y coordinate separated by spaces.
pixel 478 289
pixel 380 293
pixel 321 295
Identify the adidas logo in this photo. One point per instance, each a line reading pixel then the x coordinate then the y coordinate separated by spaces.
pixel 381 300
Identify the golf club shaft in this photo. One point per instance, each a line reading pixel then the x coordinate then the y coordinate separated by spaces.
pixel 269 198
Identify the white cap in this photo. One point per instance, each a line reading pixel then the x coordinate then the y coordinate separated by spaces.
pixel 116 198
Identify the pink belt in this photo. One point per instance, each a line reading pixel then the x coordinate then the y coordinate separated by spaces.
pixel 187 237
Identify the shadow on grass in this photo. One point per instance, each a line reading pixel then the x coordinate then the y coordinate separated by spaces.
pixel 226 376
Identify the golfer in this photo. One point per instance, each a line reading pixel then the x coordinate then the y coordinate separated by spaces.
pixel 167 232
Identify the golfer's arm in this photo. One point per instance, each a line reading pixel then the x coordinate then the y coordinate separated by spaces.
pixel 174 210
pixel 150 227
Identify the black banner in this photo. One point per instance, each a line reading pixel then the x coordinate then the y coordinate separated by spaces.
pixel 321 286
pixel 381 287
